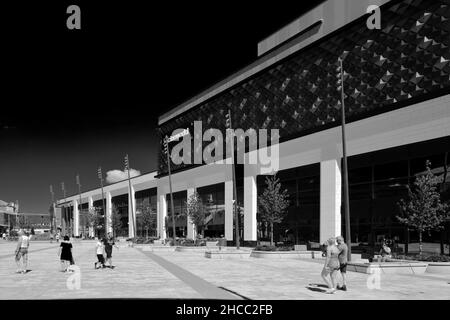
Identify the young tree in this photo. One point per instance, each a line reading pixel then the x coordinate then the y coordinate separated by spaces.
pixel 22 222
pixel 116 221
pixel 146 218
pixel 95 220
pixel 423 211
pixel 196 211
pixel 273 203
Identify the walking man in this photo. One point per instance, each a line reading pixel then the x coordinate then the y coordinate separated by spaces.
pixel 343 250
pixel 109 243
pixel 22 252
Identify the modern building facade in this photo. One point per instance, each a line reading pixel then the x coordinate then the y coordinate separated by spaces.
pixel 397 99
pixel 8 215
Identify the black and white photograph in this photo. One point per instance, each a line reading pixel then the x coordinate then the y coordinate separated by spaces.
pixel 225 156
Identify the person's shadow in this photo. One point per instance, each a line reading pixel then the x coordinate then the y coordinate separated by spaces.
pixel 317 287
pixel 26 271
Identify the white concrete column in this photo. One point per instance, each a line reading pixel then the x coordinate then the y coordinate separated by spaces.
pixel 131 216
pixel 90 208
pixel 162 214
pixel 108 199
pixel 229 210
pixel 330 199
pixel 250 204
pixel 190 225
pixel 76 218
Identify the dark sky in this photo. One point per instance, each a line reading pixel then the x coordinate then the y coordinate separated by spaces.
pixel 72 100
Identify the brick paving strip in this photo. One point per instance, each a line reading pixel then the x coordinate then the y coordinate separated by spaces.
pixel 203 287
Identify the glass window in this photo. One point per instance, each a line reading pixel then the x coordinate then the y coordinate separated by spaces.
pixel 391 170
pixel 418 164
pixel 359 175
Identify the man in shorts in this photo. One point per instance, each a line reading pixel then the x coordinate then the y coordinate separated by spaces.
pixel 22 252
pixel 109 243
pixel 343 251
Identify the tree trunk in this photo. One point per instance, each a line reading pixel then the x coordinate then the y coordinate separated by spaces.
pixel 420 242
pixel 406 241
pixel 442 243
pixel 271 233
pixel 146 233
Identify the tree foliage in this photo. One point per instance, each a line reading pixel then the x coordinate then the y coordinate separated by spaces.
pixel 272 204
pixel 116 221
pixel 424 211
pixel 196 210
pixel 95 220
pixel 146 218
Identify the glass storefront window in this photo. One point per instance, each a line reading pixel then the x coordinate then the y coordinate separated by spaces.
pixel 377 187
pixel 213 197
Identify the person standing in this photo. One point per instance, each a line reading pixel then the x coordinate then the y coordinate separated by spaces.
pixel 109 243
pixel 22 252
pixel 343 252
pixel 99 252
pixel 57 237
pixel 385 252
pixel 331 266
pixel 65 254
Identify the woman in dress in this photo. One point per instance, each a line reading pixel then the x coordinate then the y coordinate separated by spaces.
pixel 65 253
pixel 331 266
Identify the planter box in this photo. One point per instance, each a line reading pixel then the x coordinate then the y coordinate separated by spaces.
pixel 438 267
pixel 286 254
pixel 227 254
pixel 397 267
pixel 157 248
pixel 212 243
pixel 158 242
pixel 192 249
pixel 300 247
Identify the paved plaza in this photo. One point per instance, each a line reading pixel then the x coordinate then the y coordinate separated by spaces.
pixel 181 275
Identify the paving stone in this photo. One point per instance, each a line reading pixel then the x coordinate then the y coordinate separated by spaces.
pixel 186 275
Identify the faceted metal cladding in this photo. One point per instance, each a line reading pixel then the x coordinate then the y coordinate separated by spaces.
pixel 408 58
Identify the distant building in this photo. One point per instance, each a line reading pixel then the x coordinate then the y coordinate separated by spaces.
pixel 8 214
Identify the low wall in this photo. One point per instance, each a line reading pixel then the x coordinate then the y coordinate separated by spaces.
pixel 286 254
pixel 397 267
pixel 227 254
pixel 202 249
pixel 438 267
pixel 156 248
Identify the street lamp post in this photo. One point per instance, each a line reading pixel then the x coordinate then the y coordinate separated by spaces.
pixel 346 201
pixel 80 206
pixel 100 176
pixel 64 208
pixel 52 229
pixel 236 213
pixel 127 168
pixel 166 149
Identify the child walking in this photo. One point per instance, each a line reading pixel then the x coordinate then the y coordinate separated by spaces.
pixel 65 254
pixel 99 252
